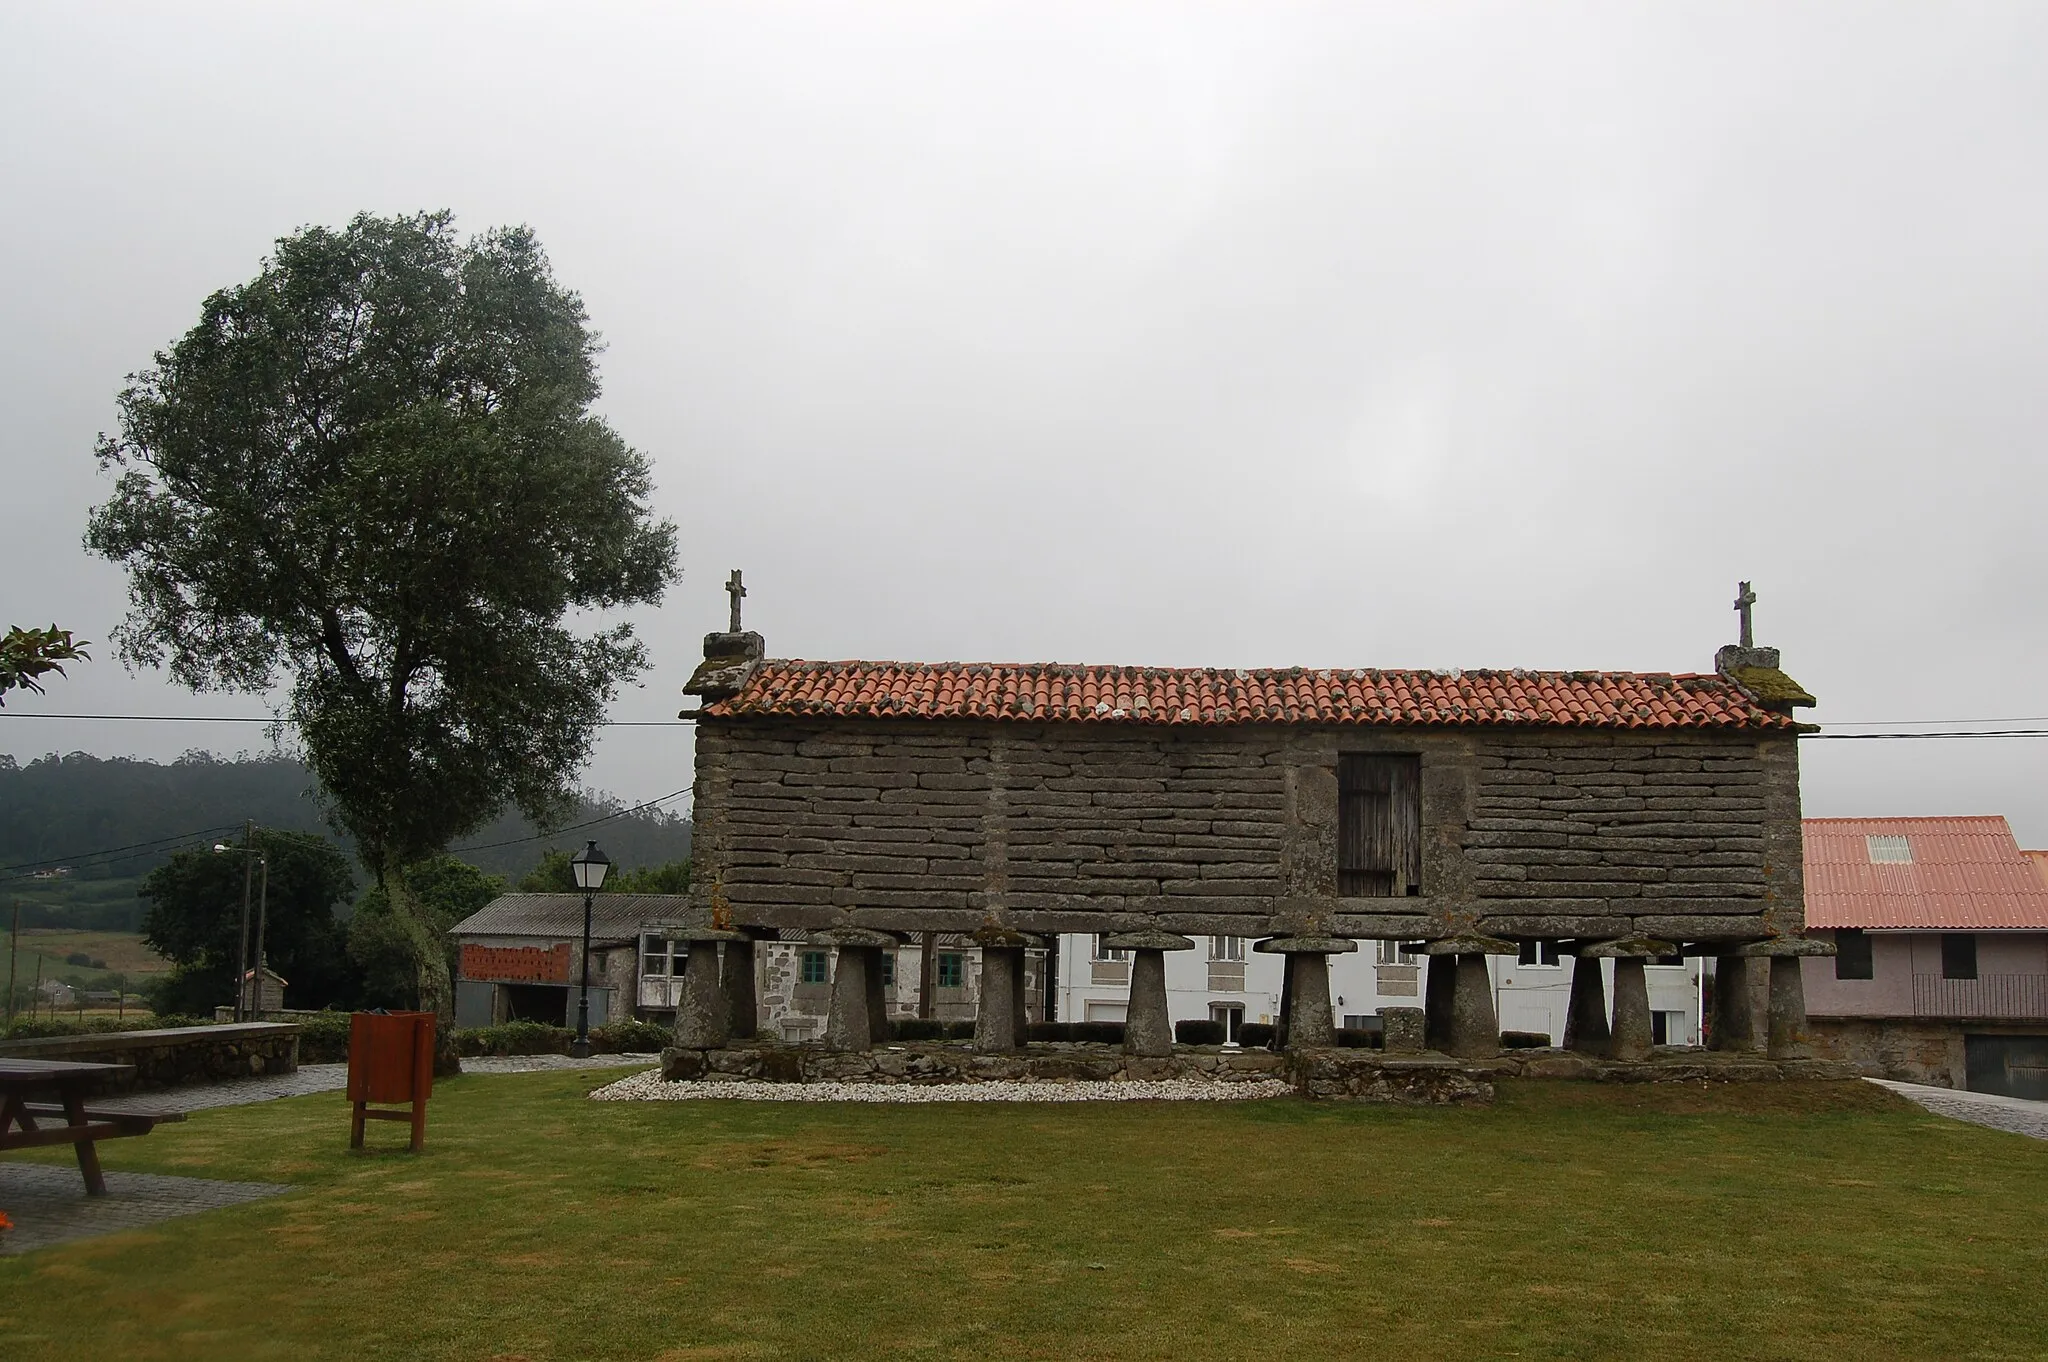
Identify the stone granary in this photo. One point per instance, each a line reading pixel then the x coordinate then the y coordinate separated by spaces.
pixel 1628 815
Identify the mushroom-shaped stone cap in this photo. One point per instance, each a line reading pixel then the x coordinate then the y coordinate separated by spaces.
pixel 1305 945
pixel 852 936
pixel 1147 941
pixel 1627 948
pixel 1782 947
pixel 1471 945
pixel 1005 938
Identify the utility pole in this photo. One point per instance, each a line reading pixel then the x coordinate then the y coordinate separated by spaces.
pixel 262 920
pixel 13 949
pixel 248 874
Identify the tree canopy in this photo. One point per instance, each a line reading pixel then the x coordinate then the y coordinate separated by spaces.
pixel 28 654
pixel 372 473
pixel 194 920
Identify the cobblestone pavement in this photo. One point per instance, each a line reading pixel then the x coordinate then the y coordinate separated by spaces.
pixel 2015 1114
pixel 48 1204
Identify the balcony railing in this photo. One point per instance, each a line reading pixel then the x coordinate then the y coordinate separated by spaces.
pixel 1988 995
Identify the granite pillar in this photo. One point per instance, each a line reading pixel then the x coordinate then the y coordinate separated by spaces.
pixel 996 1024
pixel 1439 983
pixel 1305 1016
pixel 1734 1026
pixel 1629 1037
pixel 850 1023
pixel 1474 1026
pixel 1788 1036
pixel 1148 1026
pixel 703 1021
pixel 1585 1020
pixel 877 994
pixel 737 974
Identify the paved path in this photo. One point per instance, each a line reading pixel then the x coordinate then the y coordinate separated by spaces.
pixel 312 1078
pixel 2015 1114
pixel 48 1204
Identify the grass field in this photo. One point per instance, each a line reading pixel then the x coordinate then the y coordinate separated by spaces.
pixel 1569 1221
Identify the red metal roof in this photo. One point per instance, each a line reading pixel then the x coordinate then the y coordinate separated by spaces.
pixel 2040 860
pixel 1027 692
pixel 1966 873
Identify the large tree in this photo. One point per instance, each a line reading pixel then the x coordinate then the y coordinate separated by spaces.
pixel 26 654
pixel 194 920
pixel 372 473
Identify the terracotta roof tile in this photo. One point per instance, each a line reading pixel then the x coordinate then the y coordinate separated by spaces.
pixel 1051 692
pixel 1963 873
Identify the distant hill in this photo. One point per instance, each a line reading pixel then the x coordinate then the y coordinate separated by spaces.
pixel 116 818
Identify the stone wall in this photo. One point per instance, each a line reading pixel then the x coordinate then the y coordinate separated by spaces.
pixel 175 1056
pixel 917 825
pixel 1909 1050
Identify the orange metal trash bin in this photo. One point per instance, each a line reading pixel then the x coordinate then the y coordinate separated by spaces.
pixel 391 1061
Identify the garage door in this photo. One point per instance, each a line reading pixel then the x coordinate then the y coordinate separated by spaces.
pixel 2012 1066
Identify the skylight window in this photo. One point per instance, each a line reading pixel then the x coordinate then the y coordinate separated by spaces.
pixel 1890 850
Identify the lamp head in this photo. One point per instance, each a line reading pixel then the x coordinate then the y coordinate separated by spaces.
pixel 589 866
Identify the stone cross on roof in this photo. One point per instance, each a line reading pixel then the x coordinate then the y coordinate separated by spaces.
pixel 736 591
pixel 1744 599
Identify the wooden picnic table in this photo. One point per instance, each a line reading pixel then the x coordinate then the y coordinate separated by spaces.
pixel 21 1120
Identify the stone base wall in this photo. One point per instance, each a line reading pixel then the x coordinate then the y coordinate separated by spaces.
pixel 1926 1050
pixel 175 1056
pixel 1425 1079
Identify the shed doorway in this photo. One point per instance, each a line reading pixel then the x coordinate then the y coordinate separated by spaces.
pixel 2010 1066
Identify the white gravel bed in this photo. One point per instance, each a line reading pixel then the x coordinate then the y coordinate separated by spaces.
pixel 649 1087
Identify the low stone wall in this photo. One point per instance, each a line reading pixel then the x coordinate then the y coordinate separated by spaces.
pixel 175 1056
pixel 957 1062
pixel 1413 1079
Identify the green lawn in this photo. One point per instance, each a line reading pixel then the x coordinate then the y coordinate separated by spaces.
pixel 1805 1221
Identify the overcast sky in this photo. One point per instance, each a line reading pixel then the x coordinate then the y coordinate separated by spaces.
pixel 1365 335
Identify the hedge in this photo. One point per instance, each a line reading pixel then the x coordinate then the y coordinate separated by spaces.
pixel 42 1027
pixel 1198 1032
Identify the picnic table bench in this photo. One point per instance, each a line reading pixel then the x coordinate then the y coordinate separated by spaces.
pixel 21 1121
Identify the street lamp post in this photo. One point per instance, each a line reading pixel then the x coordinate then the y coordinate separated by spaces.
pixel 589 866
pixel 248 849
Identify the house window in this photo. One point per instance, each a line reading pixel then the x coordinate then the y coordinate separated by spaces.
pixel 1226 948
pixel 1889 850
pixel 1379 825
pixel 1958 955
pixel 815 969
pixel 1852 954
pixel 1103 952
pixel 951 970
pixel 1390 953
pixel 888 969
pixel 1232 1017
pixel 1538 953
pixel 654 957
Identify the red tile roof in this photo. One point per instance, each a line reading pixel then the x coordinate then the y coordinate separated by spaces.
pixel 1966 873
pixel 2040 860
pixel 1026 692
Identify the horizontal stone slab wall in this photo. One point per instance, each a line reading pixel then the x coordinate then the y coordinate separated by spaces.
pixel 174 1056
pixel 914 825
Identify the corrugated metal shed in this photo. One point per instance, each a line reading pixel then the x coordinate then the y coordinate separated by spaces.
pixel 559 917
pixel 1965 874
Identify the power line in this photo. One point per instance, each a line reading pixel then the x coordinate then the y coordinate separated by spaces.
pixel 574 827
pixel 1959 733
pixel 115 851
pixel 252 719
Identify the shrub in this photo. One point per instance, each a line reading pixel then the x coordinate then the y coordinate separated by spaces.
pixel 1525 1040
pixel 78 958
pixel 1193 1032
pixel 630 1037
pixel 514 1038
pixel 960 1030
pixel 1255 1035
pixel 1100 1033
pixel 917 1028
pixel 323 1038
pixel 1049 1032
pixel 1360 1038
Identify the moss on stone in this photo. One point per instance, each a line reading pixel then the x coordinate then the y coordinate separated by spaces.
pixel 1771 686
